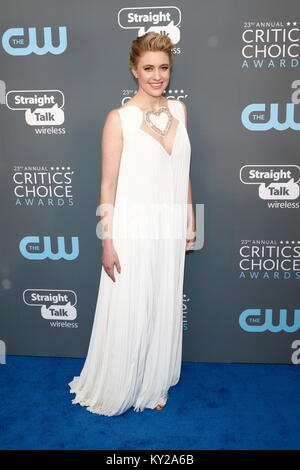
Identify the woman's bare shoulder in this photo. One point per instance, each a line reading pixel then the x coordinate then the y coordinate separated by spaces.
pixel 113 116
pixel 126 104
pixel 112 121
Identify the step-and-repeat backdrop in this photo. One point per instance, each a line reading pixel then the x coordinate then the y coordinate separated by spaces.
pixel 64 66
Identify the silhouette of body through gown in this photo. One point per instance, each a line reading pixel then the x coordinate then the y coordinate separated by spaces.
pixel 135 349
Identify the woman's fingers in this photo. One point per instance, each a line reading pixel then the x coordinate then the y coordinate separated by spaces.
pixel 190 244
pixel 110 270
pixel 112 275
pixel 118 265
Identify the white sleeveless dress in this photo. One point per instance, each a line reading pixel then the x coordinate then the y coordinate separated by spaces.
pixel 135 349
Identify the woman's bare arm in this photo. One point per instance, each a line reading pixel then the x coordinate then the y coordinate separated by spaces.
pixel 191 235
pixel 111 147
pixel 191 215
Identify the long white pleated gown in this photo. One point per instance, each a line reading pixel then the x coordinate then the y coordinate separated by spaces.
pixel 135 349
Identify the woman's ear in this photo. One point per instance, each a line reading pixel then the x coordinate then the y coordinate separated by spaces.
pixel 133 71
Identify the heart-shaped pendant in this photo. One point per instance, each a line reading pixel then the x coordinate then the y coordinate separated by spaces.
pixel 159 120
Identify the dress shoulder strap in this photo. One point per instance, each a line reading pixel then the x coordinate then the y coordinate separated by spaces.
pixel 131 118
pixel 178 110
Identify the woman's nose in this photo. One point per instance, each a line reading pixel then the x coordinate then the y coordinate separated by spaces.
pixel 157 75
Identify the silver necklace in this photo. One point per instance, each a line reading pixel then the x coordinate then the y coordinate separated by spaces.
pixel 159 120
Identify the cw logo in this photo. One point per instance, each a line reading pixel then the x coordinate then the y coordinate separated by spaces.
pixel 30 248
pixel 13 40
pixel 262 123
pixel 259 320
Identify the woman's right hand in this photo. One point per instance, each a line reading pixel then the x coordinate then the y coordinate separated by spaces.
pixel 109 260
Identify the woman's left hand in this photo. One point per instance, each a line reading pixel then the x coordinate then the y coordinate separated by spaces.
pixel 190 243
pixel 190 229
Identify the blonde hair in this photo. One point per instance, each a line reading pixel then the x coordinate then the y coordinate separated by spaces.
pixel 150 42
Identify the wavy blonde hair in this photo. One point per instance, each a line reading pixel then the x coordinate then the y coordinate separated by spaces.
pixel 150 42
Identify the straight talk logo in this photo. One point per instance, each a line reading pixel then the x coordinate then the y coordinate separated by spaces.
pixel 42 109
pixel 160 19
pixel 278 184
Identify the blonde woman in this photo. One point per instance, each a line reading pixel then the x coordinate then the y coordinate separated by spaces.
pixel 134 355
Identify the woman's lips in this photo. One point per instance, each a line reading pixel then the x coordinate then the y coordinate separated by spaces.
pixel 156 85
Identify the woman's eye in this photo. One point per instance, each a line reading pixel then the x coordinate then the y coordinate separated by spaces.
pixel 149 68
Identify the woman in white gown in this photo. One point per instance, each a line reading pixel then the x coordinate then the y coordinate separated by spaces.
pixel 134 354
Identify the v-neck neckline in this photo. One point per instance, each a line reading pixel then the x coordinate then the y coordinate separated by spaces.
pixel 159 144
pixel 153 138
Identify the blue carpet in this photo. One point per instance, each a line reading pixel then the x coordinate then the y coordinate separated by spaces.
pixel 213 406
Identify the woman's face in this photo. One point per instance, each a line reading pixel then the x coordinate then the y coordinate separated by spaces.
pixel 153 72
